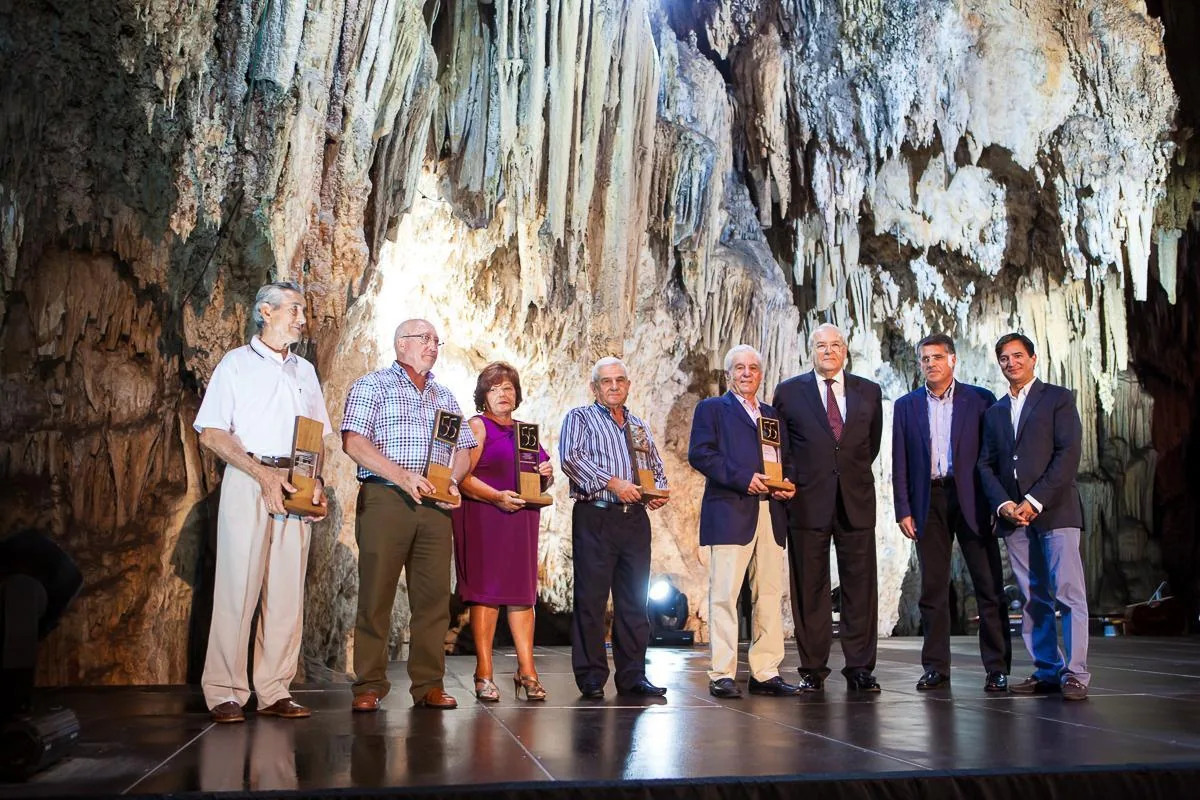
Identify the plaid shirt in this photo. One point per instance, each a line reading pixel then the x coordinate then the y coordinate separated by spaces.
pixel 387 408
pixel 593 449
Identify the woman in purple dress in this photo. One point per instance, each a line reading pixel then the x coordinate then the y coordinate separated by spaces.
pixel 495 536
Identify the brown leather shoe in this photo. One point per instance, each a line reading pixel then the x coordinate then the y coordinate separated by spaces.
pixel 286 708
pixel 436 698
pixel 228 711
pixel 367 701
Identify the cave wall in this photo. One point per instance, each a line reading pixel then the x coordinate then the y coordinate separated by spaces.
pixel 551 182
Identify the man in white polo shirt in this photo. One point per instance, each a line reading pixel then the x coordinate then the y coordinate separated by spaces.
pixel 247 419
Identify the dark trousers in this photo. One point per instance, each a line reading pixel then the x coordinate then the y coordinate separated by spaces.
pixel 610 549
pixel 393 533
pixel 981 552
pixel 812 605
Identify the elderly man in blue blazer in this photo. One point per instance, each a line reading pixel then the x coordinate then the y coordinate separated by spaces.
pixel 935 446
pixel 744 524
pixel 1032 442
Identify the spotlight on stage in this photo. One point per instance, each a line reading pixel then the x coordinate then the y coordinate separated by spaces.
pixel 31 743
pixel 668 609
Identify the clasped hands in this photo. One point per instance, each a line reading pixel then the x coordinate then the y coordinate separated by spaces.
pixel 1018 514
pixel 758 485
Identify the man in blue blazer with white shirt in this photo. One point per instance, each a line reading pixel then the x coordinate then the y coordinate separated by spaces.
pixel 935 446
pixel 1028 464
pixel 744 524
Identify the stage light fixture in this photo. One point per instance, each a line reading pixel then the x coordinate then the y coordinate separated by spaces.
pixel 668 609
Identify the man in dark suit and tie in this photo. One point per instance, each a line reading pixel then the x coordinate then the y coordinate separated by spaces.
pixel 1028 465
pixel 832 423
pixel 744 524
pixel 935 446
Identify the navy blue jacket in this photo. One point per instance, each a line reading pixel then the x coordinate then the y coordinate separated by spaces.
pixel 820 466
pixel 724 448
pixel 1044 452
pixel 912 460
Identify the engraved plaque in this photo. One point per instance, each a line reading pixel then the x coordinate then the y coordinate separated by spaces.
pixel 529 480
pixel 638 441
pixel 770 440
pixel 442 441
pixel 307 449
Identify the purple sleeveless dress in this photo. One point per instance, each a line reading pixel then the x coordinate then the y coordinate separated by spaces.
pixel 495 553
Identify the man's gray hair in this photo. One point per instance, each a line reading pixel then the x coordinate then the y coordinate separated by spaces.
pixel 273 295
pixel 607 361
pixel 737 350
pixel 812 337
pixel 406 327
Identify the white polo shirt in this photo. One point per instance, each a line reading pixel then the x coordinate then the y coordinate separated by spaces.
pixel 256 396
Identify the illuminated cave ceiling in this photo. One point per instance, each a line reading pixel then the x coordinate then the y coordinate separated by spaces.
pixel 552 182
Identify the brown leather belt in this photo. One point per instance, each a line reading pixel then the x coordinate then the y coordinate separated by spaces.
pixel 282 462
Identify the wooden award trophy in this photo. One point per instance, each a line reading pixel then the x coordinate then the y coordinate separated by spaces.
pixel 769 438
pixel 306 467
pixel 529 480
pixel 639 456
pixel 446 425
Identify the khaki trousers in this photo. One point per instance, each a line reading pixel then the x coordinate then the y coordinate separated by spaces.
pixel 260 558
pixel 727 565
pixel 393 534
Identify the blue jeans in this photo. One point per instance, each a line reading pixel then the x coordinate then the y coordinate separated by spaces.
pixel 1049 573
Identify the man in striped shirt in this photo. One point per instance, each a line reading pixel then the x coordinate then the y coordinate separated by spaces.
pixel 610 533
pixel 387 429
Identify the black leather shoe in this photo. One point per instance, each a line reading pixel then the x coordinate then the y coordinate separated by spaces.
pixel 810 682
pixel 1032 685
pixel 996 682
pixel 862 682
pixel 643 688
pixel 725 688
pixel 592 691
pixel 932 679
pixel 774 686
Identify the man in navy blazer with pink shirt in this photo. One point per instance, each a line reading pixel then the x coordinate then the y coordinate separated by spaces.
pixel 744 524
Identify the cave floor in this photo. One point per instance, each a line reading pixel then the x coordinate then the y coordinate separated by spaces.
pixel 1144 708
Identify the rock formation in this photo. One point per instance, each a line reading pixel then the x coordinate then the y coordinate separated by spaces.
pixel 551 182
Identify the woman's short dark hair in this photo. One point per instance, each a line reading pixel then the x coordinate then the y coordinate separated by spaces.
pixel 1007 338
pixel 495 374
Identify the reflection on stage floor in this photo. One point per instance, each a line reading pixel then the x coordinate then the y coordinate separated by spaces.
pixel 1144 708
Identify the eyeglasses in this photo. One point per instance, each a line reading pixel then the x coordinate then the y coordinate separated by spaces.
pixel 425 338
pixel 502 388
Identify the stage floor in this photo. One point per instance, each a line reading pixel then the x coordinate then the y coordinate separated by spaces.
pixel 1144 708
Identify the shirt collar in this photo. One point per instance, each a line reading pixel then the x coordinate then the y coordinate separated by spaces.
pixel 744 401
pixel 262 351
pixel 399 369
pixel 946 397
pixel 838 379
pixel 1021 395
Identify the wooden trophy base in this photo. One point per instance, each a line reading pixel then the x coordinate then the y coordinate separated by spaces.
pixel 530 490
pixel 306 465
pixel 775 480
pixel 439 476
pixel 649 490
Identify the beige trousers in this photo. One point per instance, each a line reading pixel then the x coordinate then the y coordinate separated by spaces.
pixel 727 565
pixel 259 558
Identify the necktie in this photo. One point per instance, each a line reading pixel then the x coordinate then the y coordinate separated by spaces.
pixel 832 411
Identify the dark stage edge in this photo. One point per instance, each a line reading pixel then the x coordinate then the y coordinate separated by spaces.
pixel 1137 736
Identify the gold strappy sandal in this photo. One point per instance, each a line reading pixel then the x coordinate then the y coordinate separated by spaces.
pixel 487 691
pixel 531 685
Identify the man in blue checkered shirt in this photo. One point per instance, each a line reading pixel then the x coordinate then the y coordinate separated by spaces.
pixel 387 428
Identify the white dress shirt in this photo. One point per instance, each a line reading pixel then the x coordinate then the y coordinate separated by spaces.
pixel 941 420
pixel 256 395
pixel 1016 403
pixel 839 391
